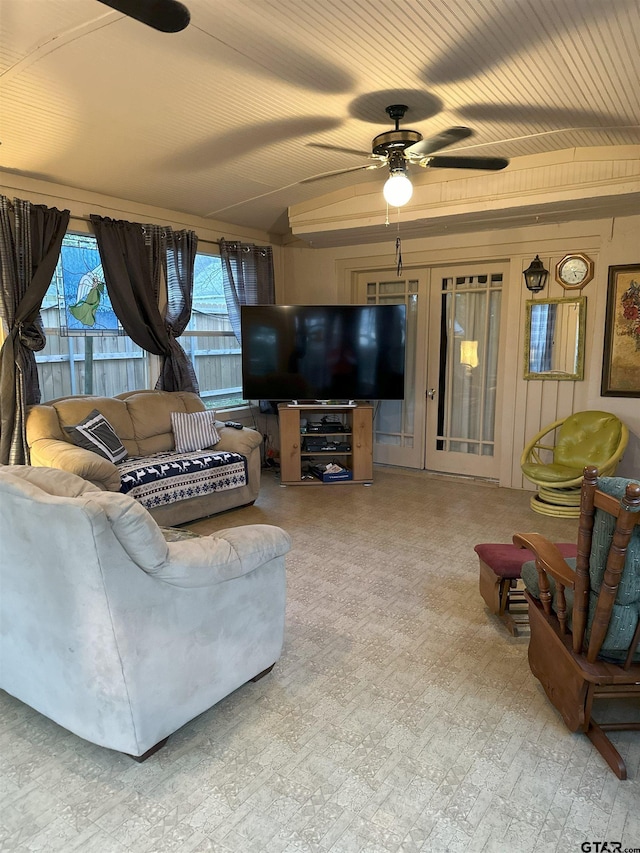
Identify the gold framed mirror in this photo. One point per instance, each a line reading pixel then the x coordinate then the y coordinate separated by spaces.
pixel 554 338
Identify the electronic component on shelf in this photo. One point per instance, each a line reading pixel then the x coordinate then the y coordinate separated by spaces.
pixel 320 445
pixel 326 425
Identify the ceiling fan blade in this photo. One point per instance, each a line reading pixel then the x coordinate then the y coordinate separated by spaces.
pixel 337 148
pixel 491 163
pixel 340 172
pixel 168 16
pixel 440 140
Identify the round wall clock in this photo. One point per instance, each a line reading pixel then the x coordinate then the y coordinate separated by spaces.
pixel 574 271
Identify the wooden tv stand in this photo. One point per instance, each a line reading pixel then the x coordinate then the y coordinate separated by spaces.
pixel 358 432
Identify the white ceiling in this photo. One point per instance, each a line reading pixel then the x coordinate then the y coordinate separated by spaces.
pixel 216 120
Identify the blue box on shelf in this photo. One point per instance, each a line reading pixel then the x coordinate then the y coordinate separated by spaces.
pixel 331 476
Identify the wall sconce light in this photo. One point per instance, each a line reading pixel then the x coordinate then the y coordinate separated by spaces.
pixel 469 354
pixel 535 275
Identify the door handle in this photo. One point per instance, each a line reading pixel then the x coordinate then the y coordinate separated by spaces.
pixel 431 393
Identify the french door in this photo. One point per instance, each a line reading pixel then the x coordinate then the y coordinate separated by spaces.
pixel 462 369
pixel 398 428
pixel 447 420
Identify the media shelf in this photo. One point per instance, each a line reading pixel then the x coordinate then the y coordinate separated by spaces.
pixel 356 431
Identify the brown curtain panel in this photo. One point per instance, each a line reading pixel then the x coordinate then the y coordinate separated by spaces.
pixel 131 255
pixel 173 254
pixel 30 239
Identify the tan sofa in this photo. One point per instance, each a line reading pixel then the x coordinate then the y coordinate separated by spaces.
pixel 142 420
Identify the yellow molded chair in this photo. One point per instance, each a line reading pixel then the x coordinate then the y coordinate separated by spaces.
pixel 555 458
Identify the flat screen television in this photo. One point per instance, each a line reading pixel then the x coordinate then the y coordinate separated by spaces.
pixel 323 352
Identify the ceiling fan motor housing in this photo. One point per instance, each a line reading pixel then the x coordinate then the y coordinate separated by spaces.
pixel 395 140
pixel 392 143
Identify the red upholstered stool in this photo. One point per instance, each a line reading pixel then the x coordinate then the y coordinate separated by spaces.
pixel 500 566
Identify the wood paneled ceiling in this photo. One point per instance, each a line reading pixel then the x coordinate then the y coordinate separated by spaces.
pixel 216 120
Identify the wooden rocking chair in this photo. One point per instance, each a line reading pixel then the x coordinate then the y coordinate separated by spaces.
pixel 585 623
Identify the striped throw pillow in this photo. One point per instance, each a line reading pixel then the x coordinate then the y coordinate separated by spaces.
pixel 194 430
pixel 95 433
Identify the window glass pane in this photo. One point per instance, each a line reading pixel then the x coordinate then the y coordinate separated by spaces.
pixel 86 351
pixel 80 291
pixel 209 340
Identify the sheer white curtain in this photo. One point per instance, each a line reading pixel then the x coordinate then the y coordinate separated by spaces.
pixel 469 313
pixel 474 318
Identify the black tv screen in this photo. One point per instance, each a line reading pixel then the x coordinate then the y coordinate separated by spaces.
pixel 323 352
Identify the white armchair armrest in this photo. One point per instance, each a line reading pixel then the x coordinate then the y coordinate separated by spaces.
pixel 224 555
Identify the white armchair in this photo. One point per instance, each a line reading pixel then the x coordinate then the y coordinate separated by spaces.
pixel 115 633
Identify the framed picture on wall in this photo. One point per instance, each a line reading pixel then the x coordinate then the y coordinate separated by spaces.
pixel 621 362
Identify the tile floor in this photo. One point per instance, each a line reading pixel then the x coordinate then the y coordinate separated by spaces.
pixel 401 716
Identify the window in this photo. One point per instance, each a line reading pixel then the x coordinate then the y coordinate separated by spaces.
pixel 107 362
pixel 104 363
pixel 209 340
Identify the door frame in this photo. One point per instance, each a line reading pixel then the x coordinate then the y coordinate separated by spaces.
pixel 515 254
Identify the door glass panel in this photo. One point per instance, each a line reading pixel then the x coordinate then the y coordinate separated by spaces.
pixel 464 447
pixel 394 419
pixel 470 323
pixel 491 366
pixel 386 287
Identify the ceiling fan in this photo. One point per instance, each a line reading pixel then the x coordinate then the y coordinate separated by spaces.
pixel 400 147
pixel 168 16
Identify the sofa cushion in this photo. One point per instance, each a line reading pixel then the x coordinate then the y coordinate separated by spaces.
pixel 71 410
pixel 150 413
pixel 95 433
pixel 194 430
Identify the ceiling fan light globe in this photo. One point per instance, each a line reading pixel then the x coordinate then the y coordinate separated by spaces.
pixel 397 190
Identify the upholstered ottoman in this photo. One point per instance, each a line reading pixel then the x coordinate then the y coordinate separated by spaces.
pixel 500 567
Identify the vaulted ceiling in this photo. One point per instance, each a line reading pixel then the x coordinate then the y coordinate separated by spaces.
pixel 217 120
